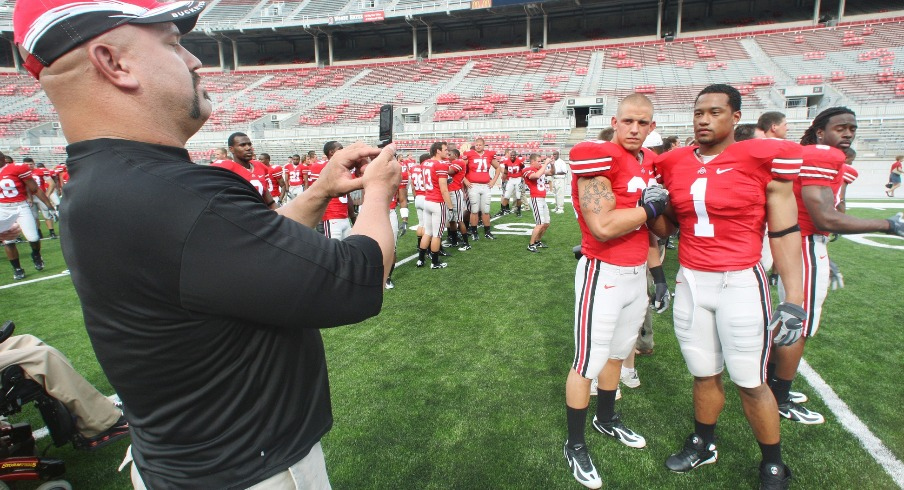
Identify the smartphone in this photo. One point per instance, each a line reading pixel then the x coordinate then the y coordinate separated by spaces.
pixel 385 125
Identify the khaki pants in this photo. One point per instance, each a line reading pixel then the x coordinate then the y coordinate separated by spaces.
pixel 93 412
pixel 307 474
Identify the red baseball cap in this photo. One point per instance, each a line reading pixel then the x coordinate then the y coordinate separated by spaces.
pixel 48 29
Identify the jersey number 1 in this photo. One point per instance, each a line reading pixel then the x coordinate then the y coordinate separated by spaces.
pixel 702 228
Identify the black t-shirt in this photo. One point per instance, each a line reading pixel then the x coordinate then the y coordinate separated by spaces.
pixel 203 307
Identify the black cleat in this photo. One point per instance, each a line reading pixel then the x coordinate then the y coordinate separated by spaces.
pixel 18 274
pixel 616 428
pixel 441 265
pixel 532 248
pixel 489 236
pixel 774 477
pixel 475 236
pixel 695 453
pixel 39 263
pixel 581 466
pixel 420 263
pixel 541 245
pixel 443 253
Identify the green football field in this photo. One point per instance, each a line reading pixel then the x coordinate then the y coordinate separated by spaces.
pixel 459 382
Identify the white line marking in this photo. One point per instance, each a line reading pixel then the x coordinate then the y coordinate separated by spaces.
pixel 7 286
pixel 851 423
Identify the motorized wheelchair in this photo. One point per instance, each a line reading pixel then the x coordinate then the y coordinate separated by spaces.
pixel 18 457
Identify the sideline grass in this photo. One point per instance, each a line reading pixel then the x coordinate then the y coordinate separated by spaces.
pixel 459 383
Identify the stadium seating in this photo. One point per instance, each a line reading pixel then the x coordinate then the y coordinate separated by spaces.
pixel 857 61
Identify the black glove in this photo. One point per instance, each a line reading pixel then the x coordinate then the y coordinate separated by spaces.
pixel 791 318
pixel 662 298
pixel 403 228
pixel 655 199
pixel 896 225
pixel 577 252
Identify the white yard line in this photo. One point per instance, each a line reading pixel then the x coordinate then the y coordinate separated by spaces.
pixel 873 445
pixel 7 286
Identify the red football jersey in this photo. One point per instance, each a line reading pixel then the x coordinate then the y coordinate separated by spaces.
pixel 536 186
pixel 432 171
pixel 62 173
pixel 823 166
pixel 403 185
pixel 514 169
pixel 417 179
pixel 12 182
pixel 294 173
pixel 721 205
pixel 273 177
pixel 457 171
pixel 850 174
pixel 338 206
pixel 478 171
pixel 42 177
pixel 239 170
pixel 628 178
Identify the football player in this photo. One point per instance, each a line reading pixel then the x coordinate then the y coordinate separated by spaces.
pixel 276 183
pixel 608 179
pixel 336 222
pixel 244 164
pixel 420 193
pixel 437 201
pixel 41 176
pixel 296 172
pixel 15 185
pixel 399 200
pixel 477 180
pixel 817 190
pixel 535 177
pixel 513 172
pixel 457 229
pixel 722 193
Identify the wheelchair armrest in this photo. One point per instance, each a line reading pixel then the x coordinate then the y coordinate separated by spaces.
pixel 6 331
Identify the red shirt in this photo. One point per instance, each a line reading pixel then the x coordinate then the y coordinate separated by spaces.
pixel 721 205
pixel 850 174
pixel 241 171
pixel 823 166
pixel 458 177
pixel 12 182
pixel 295 174
pixel 403 186
pixel 479 166
pixel 895 166
pixel 338 206
pixel 536 186
pixel 42 177
pixel 273 176
pixel 417 179
pixel 432 171
pixel 61 172
pixel 628 178
pixel 514 169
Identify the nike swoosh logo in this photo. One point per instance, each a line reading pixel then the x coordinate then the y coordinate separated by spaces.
pixel 679 282
pixel 607 286
pixel 720 171
pixel 822 257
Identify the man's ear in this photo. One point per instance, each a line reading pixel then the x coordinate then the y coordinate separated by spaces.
pixel 110 62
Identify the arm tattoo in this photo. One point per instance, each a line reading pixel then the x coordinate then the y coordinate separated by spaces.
pixel 594 192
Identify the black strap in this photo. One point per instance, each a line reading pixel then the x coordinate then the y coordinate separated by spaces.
pixel 779 234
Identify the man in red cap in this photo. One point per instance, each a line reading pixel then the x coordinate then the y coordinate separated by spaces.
pixel 173 301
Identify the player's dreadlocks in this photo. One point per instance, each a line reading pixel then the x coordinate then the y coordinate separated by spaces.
pixel 821 121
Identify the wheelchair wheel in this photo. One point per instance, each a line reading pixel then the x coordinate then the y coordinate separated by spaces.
pixel 56 485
